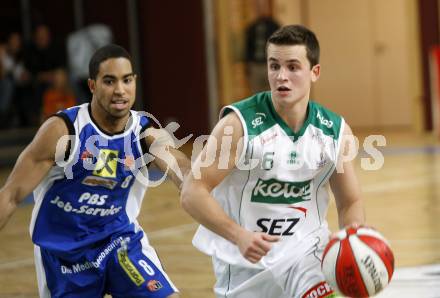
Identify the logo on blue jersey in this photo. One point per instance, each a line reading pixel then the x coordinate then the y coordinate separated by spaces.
pixel 129 267
pixel 129 163
pixel 98 181
pixel 87 157
pixel 154 285
pixel 85 208
pixel 107 163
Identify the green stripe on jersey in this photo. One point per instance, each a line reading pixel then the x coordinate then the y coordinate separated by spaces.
pixel 259 114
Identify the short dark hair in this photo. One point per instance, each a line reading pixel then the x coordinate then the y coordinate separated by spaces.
pixel 104 53
pixel 297 35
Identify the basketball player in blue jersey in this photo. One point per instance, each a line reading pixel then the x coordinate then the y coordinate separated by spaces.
pixel 88 190
pixel 263 199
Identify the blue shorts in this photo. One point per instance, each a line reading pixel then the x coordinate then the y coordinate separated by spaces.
pixel 125 266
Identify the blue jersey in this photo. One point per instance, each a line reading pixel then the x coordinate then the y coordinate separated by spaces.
pixel 93 195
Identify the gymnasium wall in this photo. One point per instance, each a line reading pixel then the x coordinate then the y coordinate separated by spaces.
pixel 370 55
pixel 171 49
pixel 374 58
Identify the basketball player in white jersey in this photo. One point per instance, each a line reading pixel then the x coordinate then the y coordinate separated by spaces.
pixel 260 186
pixel 88 194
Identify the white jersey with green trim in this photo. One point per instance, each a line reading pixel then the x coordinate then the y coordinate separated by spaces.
pixel 280 183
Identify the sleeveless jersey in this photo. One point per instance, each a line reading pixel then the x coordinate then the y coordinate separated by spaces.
pixel 94 194
pixel 280 183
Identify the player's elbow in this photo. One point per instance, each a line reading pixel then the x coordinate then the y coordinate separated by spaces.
pixel 185 195
pixel 189 194
pixel 8 204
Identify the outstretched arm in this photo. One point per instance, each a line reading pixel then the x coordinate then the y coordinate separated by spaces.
pixel 347 192
pixel 31 166
pixel 196 196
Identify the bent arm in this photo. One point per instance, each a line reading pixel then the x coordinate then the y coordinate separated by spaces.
pixel 166 157
pixel 222 148
pixel 196 196
pixel 32 165
pixel 345 187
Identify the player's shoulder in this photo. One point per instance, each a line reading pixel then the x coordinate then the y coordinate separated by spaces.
pixel 145 119
pixel 324 119
pixel 55 125
pixel 47 138
pixel 250 104
pixel 254 112
pixel 71 113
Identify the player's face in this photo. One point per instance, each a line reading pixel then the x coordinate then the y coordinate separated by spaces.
pixel 289 73
pixel 115 87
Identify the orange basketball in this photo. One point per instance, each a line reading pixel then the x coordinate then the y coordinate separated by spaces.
pixel 358 262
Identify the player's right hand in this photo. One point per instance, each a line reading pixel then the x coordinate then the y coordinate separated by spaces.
pixel 255 245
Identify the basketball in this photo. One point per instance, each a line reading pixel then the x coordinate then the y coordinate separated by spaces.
pixel 358 262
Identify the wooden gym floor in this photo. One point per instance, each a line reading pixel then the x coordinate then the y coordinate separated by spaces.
pixel 402 201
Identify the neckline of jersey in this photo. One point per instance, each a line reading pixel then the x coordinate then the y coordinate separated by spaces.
pixel 284 125
pixel 103 131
